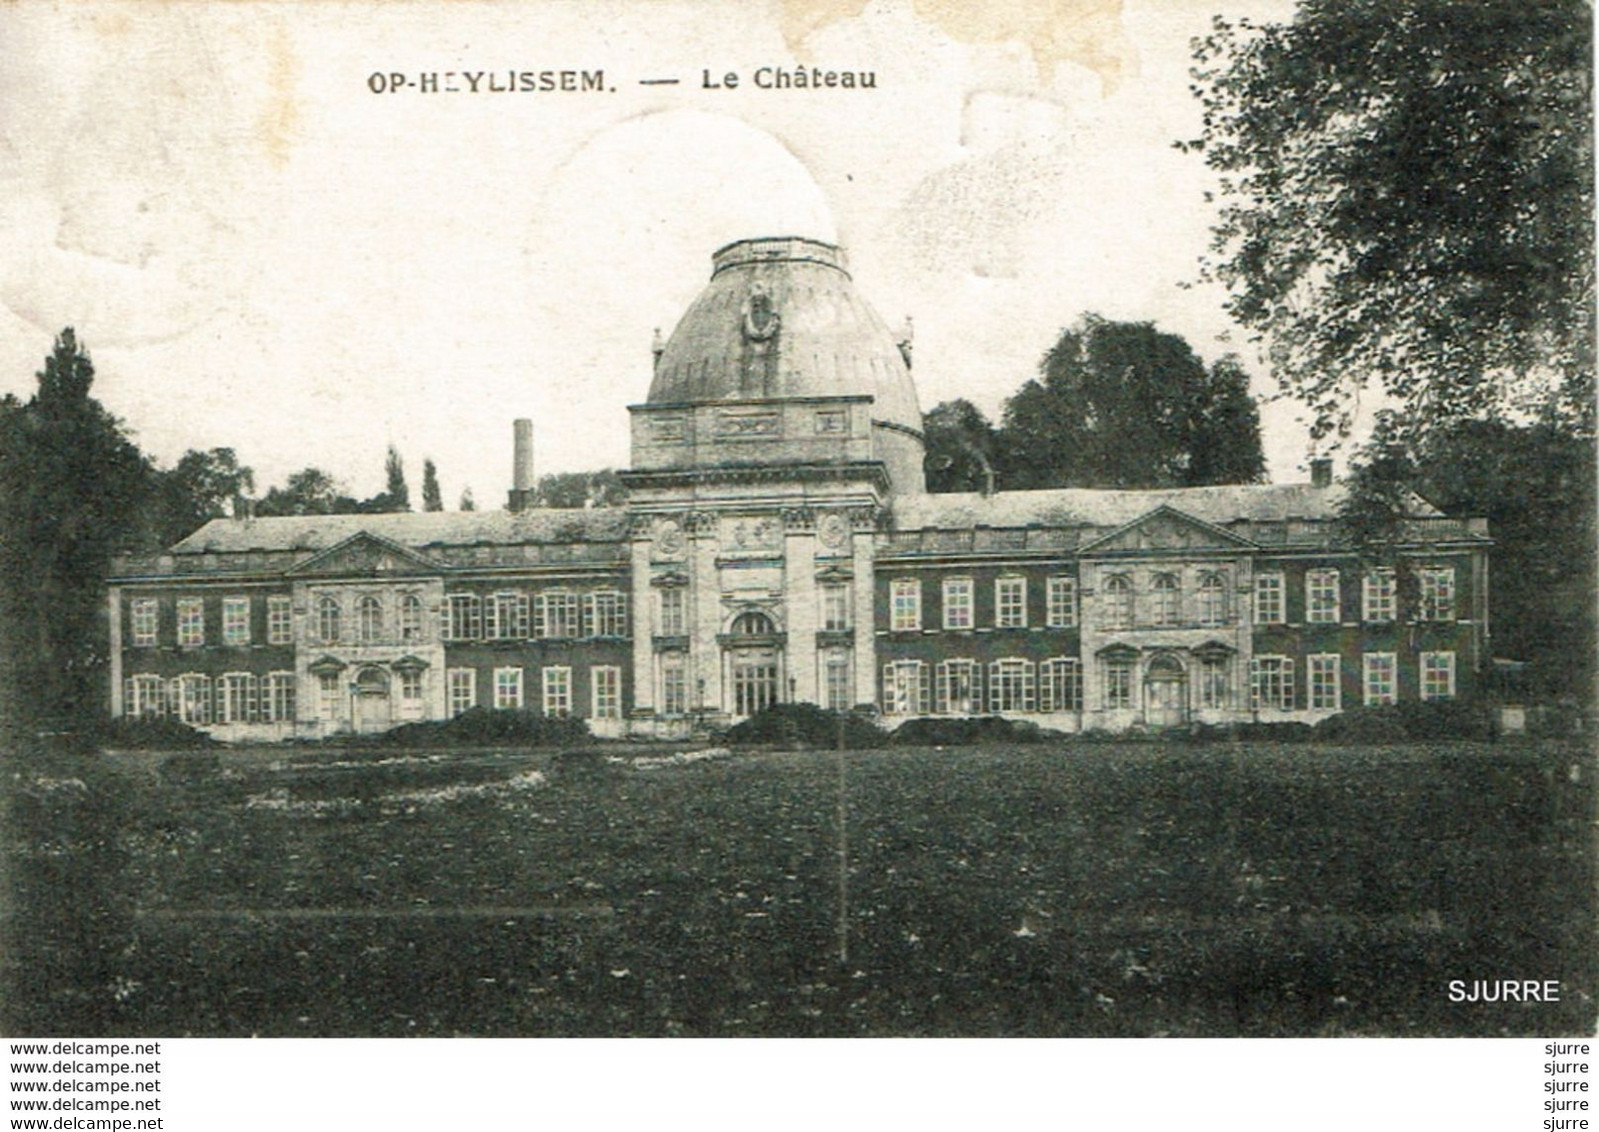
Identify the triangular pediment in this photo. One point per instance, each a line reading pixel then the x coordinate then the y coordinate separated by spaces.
pixel 1165 529
pixel 365 555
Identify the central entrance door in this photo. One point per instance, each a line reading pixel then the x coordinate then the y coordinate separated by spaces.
pixel 754 680
pixel 1166 693
pixel 372 701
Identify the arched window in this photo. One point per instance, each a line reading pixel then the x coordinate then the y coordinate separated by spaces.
pixel 370 613
pixel 1212 600
pixel 1164 606
pixel 753 624
pixel 1118 602
pixel 327 619
pixel 410 618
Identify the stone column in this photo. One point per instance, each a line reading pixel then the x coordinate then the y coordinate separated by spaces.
pixel 865 626
pixel 704 615
pixel 642 599
pixel 801 603
pixel 114 600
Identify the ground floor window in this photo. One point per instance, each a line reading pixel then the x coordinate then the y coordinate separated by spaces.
pixel 1215 682
pixel 959 687
pixel 905 688
pixel 1324 679
pixel 191 698
pixel 1060 685
pixel 1271 683
pixel 606 681
pixel 754 680
pixel 557 684
pixel 327 700
pixel 1378 673
pixel 836 692
pixel 411 685
pixel 143 695
pixel 508 689
pixel 1118 684
pixel 277 702
pixel 1437 675
pixel 674 686
pixel 1010 685
pixel 462 687
pixel 236 698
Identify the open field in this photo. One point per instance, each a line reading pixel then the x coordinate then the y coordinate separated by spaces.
pixel 1098 889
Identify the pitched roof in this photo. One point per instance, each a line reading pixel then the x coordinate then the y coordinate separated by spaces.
pixel 416 530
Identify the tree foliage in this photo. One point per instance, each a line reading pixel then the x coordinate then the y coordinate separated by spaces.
pixel 396 493
pixel 432 498
pixel 203 485
pixel 310 491
pixel 961 444
pixel 580 489
pixel 1406 202
pixel 1123 405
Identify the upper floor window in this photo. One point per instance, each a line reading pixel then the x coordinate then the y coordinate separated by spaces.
pixel 1010 603
pixel 1118 602
pixel 958 603
pixel 1060 610
pixel 463 617
pixel 605 614
pixel 1165 594
pixel 505 617
pixel 191 622
pixel 905 605
pixel 557 614
pixel 143 615
pixel 369 619
pixel 1269 599
pixel 672 603
pixel 236 620
pixel 753 624
pixel 1437 593
pixel 835 607
pixel 411 617
pixel 1321 597
pixel 328 618
pixel 1212 602
pixel 1377 595
pixel 280 620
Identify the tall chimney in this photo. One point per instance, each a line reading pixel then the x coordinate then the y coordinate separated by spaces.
pixel 1321 472
pixel 521 464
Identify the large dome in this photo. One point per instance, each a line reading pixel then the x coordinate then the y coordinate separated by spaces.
pixel 781 318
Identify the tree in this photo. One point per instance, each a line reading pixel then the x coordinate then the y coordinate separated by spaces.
pixel 74 489
pixel 960 443
pixel 310 491
pixel 396 493
pixel 1123 405
pixel 580 489
pixel 1407 202
pixel 432 498
pixel 467 503
pixel 203 485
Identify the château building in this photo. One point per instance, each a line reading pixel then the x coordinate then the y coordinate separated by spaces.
pixel 778 544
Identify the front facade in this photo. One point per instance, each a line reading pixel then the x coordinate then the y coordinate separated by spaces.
pixel 778 545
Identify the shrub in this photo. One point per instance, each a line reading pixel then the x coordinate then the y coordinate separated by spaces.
pixel 144 732
pixel 805 725
pixel 967 731
pixel 1445 719
pixel 489 727
pixel 1283 732
pixel 190 768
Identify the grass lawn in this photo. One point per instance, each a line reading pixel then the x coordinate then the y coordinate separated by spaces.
pixel 1101 889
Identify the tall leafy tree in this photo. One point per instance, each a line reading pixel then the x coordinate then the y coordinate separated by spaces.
pixel 310 491
pixel 74 489
pixel 1124 405
pixel 961 444
pixel 203 485
pixel 1406 192
pixel 432 498
pixel 467 503
pixel 396 493
pixel 580 489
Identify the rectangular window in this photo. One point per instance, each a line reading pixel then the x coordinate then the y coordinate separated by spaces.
pixel 1377 595
pixel 236 620
pixel 143 614
pixel 1118 602
pixel 410 620
pixel 1010 603
pixel 558 614
pixel 461 684
pixel 277 703
pixel 1321 597
pixel 605 614
pixel 958 603
pixel 191 622
pixel 672 603
pixel 280 621
pixel 1061 603
pixel 905 688
pixel 1378 678
pixel 674 686
pixel 557 690
pixel 463 617
pixel 1212 601
pixel 191 698
pixel 505 617
pixel 835 607
pixel 1060 685
pixel 1437 675
pixel 1437 593
pixel 508 689
pixel 1269 599
pixel 236 698
pixel 144 695
pixel 1165 600
pixel 959 687
pixel 836 682
pixel 1215 682
pixel 1271 683
pixel 606 681
pixel 1325 680
pixel 1118 684
pixel 1010 685
pixel 410 685
pixel 327 698
pixel 905 605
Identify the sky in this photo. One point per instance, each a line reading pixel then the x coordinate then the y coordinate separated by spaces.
pixel 260 252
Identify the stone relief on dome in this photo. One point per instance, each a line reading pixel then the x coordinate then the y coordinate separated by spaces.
pixel 760 322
